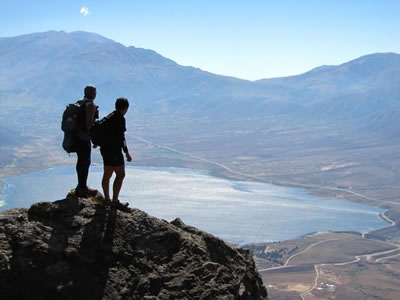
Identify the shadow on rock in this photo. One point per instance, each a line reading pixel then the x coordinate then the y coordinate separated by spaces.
pixel 81 249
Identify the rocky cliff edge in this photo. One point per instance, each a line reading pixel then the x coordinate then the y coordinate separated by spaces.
pixel 82 249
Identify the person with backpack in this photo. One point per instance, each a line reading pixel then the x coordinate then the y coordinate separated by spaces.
pixel 87 115
pixel 111 150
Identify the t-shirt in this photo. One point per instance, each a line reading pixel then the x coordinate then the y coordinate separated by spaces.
pixel 116 132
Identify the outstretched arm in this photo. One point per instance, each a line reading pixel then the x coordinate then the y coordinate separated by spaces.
pixel 126 151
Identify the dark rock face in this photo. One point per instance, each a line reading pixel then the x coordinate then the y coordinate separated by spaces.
pixel 80 249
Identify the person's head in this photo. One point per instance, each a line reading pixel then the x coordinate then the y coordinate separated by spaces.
pixel 90 92
pixel 122 105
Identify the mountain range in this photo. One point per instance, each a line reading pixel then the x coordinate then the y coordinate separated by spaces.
pixel 42 72
pixel 333 130
pixel 51 68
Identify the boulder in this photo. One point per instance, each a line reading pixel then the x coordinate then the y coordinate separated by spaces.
pixel 88 249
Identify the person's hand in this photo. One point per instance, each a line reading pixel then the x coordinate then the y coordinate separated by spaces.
pixel 128 157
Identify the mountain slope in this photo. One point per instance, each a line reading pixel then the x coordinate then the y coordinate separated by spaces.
pixel 215 117
pixel 56 65
pixel 51 68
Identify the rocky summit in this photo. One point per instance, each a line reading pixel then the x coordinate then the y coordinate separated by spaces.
pixel 84 249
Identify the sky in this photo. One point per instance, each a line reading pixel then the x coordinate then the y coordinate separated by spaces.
pixel 248 39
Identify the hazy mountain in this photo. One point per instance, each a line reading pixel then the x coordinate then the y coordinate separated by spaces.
pixel 54 67
pixel 41 72
pixel 352 89
pixel 9 139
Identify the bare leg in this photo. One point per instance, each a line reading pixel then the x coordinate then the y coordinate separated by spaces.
pixel 119 178
pixel 105 183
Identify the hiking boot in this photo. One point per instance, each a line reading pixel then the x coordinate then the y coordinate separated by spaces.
pixel 92 192
pixel 118 203
pixel 81 193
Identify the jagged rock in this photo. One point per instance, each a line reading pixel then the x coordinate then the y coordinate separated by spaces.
pixel 82 249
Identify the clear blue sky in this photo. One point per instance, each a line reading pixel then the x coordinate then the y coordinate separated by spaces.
pixel 249 39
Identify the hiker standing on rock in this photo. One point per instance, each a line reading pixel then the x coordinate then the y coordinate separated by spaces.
pixel 83 145
pixel 111 150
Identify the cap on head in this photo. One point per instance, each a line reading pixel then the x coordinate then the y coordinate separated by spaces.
pixel 90 91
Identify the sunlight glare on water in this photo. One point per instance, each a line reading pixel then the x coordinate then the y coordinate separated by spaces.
pixel 240 212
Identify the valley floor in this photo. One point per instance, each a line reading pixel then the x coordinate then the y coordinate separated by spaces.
pixel 326 265
pixel 331 265
pixel 320 266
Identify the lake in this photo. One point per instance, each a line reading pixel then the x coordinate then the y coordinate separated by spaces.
pixel 237 211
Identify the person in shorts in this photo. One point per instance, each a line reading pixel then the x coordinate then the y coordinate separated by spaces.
pixel 112 149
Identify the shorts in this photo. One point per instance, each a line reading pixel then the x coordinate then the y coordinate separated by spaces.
pixel 112 157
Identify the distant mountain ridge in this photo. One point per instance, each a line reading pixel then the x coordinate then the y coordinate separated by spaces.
pixel 51 68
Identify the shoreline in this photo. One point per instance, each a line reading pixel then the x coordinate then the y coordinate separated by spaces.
pixel 215 172
pixel 216 169
pixel 385 218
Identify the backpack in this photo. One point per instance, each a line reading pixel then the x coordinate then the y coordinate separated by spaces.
pixel 72 120
pixel 69 142
pixel 99 132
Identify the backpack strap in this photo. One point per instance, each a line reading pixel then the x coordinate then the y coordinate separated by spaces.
pixel 82 114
